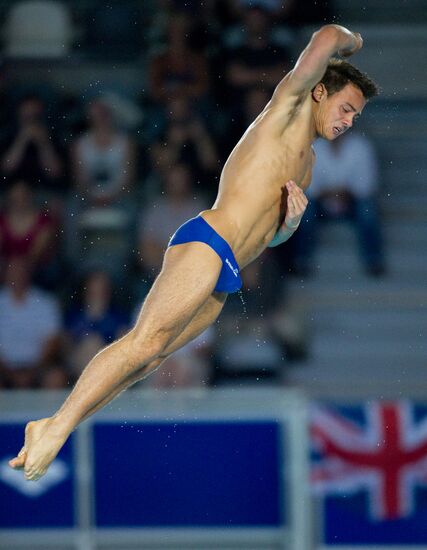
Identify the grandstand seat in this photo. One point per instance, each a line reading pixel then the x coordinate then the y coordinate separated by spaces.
pixel 38 28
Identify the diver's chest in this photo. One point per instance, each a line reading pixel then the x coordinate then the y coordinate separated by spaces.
pixel 297 164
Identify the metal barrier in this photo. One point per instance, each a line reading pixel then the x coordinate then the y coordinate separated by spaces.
pixel 184 469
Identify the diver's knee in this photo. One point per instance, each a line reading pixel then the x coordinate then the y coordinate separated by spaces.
pixel 145 348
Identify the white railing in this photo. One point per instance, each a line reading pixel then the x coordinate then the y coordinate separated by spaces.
pixel 285 408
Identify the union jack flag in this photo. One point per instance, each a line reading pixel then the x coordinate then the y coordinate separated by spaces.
pixel 381 450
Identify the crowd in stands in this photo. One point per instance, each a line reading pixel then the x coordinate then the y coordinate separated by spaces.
pixel 90 197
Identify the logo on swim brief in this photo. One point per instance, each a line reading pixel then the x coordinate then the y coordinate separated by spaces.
pixel 233 269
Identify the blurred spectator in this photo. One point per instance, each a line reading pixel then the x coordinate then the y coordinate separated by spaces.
pixel 94 321
pixel 185 140
pixel 103 159
pixel 28 232
pixel 102 212
pixel 200 15
pixel 30 329
pixel 250 344
pixel 163 216
pixel 178 70
pixel 259 61
pixel 344 187
pixel 31 153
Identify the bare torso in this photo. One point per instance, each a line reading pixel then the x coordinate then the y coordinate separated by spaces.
pixel 250 204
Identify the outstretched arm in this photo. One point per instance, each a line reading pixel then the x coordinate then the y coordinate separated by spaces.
pixel 313 61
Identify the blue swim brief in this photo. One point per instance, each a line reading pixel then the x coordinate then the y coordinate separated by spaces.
pixel 198 229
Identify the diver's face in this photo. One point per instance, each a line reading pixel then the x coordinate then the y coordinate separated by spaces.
pixel 338 112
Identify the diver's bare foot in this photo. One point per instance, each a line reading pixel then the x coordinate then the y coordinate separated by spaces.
pixel 42 444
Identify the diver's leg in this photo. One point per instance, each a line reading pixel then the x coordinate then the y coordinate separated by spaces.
pixel 187 279
pixel 207 314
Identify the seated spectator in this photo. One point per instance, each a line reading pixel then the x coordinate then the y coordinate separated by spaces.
pixel 201 18
pixel 185 139
pixel 28 232
pixel 103 158
pixel 163 216
pixel 344 187
pixel 250 346
pixel 30 152
pixel 102 210
pixel 30 329
pixel 178 70
pixel 94 321
pixel 259 61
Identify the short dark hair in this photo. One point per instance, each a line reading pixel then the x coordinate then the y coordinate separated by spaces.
pixel 339 73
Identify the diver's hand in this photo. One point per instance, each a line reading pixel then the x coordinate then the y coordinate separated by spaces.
pixel 352 48
pixel 296 205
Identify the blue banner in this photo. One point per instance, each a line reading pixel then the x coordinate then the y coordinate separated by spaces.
pixel 48 502
pixel 189 474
